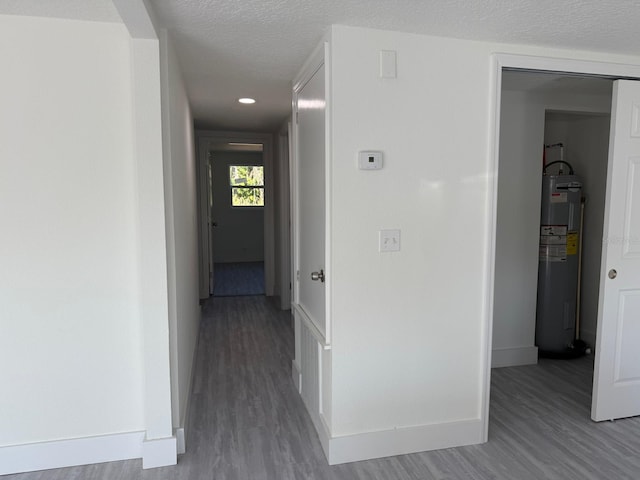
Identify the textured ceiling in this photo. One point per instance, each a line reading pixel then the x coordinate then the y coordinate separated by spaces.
pixel 234 48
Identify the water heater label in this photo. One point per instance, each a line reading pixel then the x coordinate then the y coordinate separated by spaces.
pixel 553 253
pixel 553 230
pixel 559 197
pixel 553 243
pixel 572 243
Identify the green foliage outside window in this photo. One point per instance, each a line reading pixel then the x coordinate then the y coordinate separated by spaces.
pixel 247 185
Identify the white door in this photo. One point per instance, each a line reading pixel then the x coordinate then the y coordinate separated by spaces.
pixel 311 199
pixel 616 381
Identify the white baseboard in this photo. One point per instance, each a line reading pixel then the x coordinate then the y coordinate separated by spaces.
pixel 159 452
pixel 322 429
pixel 181 444
pixel 180 432
pixel 402 441
pixel 296 374
pixel 68 453
pixel 512 357
pixel 323 434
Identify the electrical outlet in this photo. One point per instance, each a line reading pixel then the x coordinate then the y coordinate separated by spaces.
pixel 389 240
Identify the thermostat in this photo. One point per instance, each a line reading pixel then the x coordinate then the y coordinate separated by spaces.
pixel 369 160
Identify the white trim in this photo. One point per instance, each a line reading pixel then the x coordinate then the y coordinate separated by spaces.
pixel 293 204
pixel 402 441
pixel 495 88
pixel 319 57
pixel 317 334
pixel 181 444
pixel 310 67
pixel 566 65
pixel 513 357
pixel 525 62
pixel 283 223
pixel 324 435
pixel 68 453
pixel 180 431
pixel 202 206
pixel 328 210
pixel 319 422
pixel 292 212
pixel 159 452
pixel 203 138
pixel 296 374
pixel 153 295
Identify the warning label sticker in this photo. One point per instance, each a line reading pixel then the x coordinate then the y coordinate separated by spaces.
pixel 553 243
pixel 572 243
pixel 553 240
pixel 553 253
pixel 559 197
pixel 553 230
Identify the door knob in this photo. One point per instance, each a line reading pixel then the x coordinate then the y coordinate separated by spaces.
pixel 315 276
pixel 612 273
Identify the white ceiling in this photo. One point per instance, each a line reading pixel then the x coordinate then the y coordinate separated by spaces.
pixel 233 48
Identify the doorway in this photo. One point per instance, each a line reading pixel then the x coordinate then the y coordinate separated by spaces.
pixel 544 109
pixel 571 116
pixel 237 193
pixel 520 180
pixel 277 248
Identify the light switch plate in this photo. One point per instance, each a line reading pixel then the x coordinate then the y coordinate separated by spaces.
pixel 389 240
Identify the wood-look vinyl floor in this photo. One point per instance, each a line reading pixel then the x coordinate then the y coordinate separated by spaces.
pixel 248 422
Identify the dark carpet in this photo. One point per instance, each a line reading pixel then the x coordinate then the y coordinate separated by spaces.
pixel 238 279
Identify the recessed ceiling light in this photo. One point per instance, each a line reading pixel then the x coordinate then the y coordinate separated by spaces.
pixel 246 100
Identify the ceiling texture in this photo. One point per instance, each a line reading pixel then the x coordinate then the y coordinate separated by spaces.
pixel 235 48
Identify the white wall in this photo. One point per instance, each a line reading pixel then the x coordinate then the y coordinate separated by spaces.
pixel 282 218
pixel 181 227
pixel 408 328
pixel 70 342
pixel 406 325
pixel 586 139
pixel 239 236
pixel 522 135
pixel 518 225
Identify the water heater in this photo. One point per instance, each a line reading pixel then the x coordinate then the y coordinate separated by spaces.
pixel 558 263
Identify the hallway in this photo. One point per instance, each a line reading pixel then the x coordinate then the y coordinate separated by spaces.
pixel 248 423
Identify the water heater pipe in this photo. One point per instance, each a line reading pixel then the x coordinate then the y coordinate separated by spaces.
pixel 582 202
pixel 558 162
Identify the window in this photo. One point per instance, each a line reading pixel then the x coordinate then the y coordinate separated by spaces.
pixel 247 185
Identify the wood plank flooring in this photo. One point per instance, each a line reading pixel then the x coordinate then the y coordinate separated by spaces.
pixel 248 422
